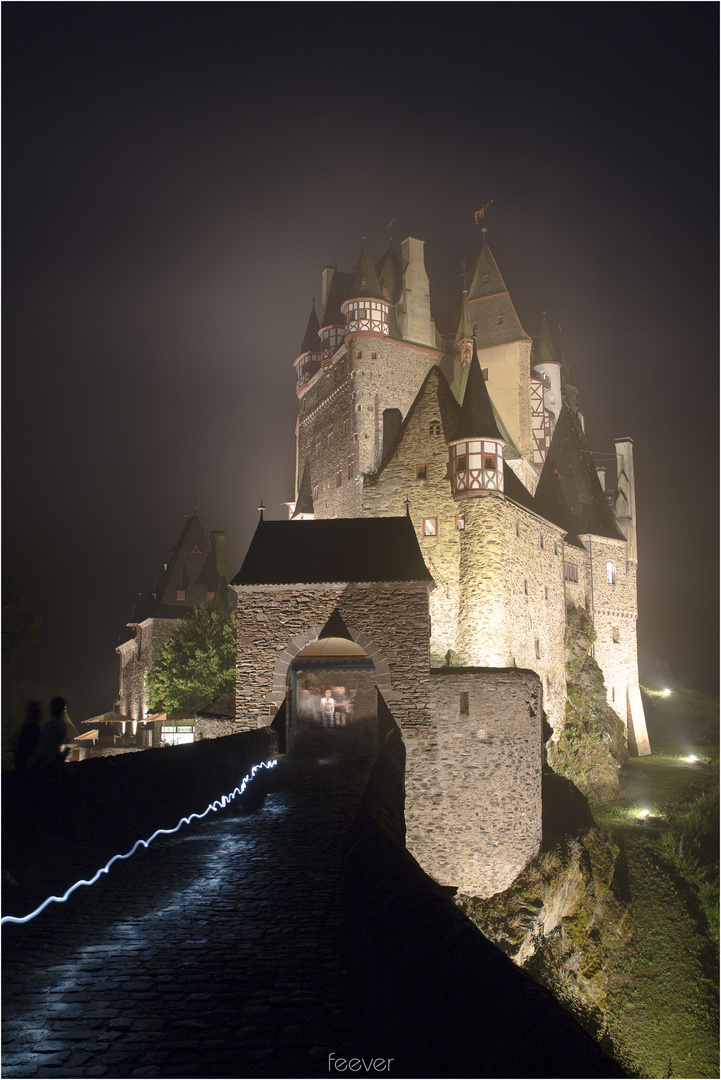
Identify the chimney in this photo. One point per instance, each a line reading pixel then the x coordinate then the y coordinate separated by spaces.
pixel 217 540
pixel 415 314
pixel 326 280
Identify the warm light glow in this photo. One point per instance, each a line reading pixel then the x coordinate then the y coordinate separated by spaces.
pixel 643 813
pixel 219 804
pixel 666 692
pixel 692 758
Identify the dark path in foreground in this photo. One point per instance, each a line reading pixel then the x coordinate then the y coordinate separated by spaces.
pixel 217 952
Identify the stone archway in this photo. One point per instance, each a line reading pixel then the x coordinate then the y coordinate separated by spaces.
pixel 302 640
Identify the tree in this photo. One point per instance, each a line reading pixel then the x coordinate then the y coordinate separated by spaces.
pixel 197 661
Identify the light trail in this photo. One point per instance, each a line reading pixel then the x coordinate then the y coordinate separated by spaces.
pixel 219 804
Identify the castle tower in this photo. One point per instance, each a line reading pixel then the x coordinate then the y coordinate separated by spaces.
pixel 476 448
pixel 464 336
pixel 546 396
pixel 308 361
pixel 366 310
pixel 332 329
pixel 505 348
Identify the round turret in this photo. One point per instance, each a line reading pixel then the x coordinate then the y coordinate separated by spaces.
pixel 476 448
pixel 366 311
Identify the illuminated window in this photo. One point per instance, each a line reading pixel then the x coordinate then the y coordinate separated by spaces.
pixel 464 703
pixel 180 594
pixel 175 734
pixel 430 526
pixel 460 524
pixel 435 427
pixel 570 571
pixel 338 476
pixel 616 634
pixel 489 462
pixel 421 472
pixel 611 573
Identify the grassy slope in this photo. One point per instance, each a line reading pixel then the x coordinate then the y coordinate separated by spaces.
pixel 664 1008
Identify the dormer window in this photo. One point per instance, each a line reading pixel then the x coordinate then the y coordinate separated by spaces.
pixel 485 279
pixel 499 320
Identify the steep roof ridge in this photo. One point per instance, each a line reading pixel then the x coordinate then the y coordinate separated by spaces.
pixel 494 288
pixel 339 292
pixel 544 350
pixel 569 464
pixel 311 341
pixel 365 282
pixel 448 407
pixel 477 419
pixel 390 273
pixel 465 325
pixel 304 504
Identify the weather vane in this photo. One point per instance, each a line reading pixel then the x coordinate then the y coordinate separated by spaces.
pixel 482 212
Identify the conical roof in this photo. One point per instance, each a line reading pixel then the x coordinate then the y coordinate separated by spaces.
pixel 477 420
pixel 339 291
pixel 390 274
pixel 304 503
pixel 544 351
pixel 490 305
pixel 365 282
pixel 311 341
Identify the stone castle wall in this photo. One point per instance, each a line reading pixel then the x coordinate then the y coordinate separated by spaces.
pixel 389 621
pixel 509 385
pixel 473 778
pixel 136 659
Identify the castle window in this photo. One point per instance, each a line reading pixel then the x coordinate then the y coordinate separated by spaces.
pixel 317 447
pixel 180 594
pixel 315 493
pixel 542 541
pixel 484 373
pixel 570 571
pixel 485 279
pixel 435 427
pixel 545 591
pixel 370 408
pixel 338 476
pixel 421 472
pixel 430 526
pixel 499 320
pixel 525 586
pixel 460 524
pixel 555 547
pixel 358 408
pixel 330 439
pixel 359 355
pixel 613 693
pixel 611 573
pixel 538 649
pixel 362 313
pixel 385 290
pixel 461 463
pixel 351 470
pixel 345 427
pixel 616 634
pixel 374 356
pixel 518 531
pixel 463 707
pixel 489 462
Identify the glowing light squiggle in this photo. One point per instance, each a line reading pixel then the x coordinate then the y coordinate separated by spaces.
pixel 219 804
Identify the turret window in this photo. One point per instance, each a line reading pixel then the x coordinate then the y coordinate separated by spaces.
pixel 611 573
pixel 461 463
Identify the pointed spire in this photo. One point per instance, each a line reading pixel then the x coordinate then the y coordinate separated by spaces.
pixel 544 351
pixel 477 420
pixel 365 282
pixel 311 341
pixel 465 325
pixel 304 505
pixel 390 274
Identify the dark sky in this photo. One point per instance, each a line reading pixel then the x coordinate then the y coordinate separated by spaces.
pixel 176 176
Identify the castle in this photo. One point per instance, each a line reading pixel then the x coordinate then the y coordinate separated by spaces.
pixel 447 513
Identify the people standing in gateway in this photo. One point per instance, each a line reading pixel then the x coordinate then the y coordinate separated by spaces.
pixel 327 709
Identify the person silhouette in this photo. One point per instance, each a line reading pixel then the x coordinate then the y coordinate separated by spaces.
pixel 52 737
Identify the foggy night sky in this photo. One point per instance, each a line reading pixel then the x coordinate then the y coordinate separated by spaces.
pixel 176 176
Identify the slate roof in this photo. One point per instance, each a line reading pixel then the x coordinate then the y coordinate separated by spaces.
pixel 311 341
pixel 436 383
pixel 339 291
pixel 465 323
pixel 390 274
pixel 365 282
pixel 477 419
pixel 569 467
pixel 544 351
pixel 489 300
pixel 333 550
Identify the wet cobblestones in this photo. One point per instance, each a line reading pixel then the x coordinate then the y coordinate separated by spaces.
pixel 215 953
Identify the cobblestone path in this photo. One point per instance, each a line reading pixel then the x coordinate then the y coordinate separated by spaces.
pixel 215 953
